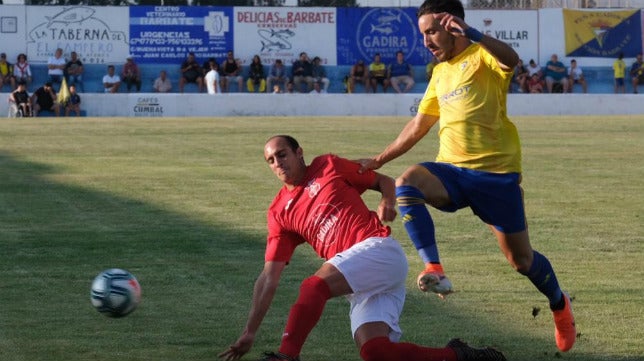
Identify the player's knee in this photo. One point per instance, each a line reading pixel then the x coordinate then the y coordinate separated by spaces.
pixel 376 349
pixel 314 287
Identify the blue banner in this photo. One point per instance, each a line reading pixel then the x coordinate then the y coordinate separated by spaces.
pixel 166 34
pixel 363 32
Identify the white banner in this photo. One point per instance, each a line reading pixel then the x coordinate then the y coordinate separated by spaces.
pixel 283 33
pixel 12 31
pixel 100 35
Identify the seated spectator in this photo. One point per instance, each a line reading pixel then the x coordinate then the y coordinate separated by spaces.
pixel 290 88
pixel 74 71
pixel 256 77
pixel 429 69
pixel 359 74
pixel 191 73
pixel 212 78
pixel 318 88
pixel 277 89
pixel 231 72
pixel 22 70
pixel 277 75
pixel 56 67
pixel 637 73
pixel 378 74
pixel 302 74
pixel 19 100
pixel 576 76
pixel 111 81
pixel 556 74
pixel 519 78
pixel 205 68
pixel 162 84
pixel 534 84
pixel 130 74
pixel 73 103
pixel 400 72
pixel 6 73
pixel 44 98
pixel 319 74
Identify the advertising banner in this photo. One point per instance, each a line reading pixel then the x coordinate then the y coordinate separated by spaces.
pixel 283 33
pixel 522 35
pixel 603 33
pixel 363 32
pixel 98 34
pixel 166 34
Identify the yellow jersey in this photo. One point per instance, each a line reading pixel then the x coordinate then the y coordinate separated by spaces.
pixel 619 68
pixel 378 70
pixel 468 93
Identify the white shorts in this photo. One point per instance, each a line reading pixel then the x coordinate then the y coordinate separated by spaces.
pixel 376 269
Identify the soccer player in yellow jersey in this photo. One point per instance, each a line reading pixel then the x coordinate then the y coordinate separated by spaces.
pixel 479 158
pixel 619 70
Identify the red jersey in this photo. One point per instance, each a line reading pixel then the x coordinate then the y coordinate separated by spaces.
pixel 326 211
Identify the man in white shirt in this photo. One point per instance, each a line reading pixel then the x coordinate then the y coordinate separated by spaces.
pixel 111 81
pixel 162 84
pixel 55 66
pixel 212 78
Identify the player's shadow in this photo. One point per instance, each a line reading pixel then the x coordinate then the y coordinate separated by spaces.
pixel 196 278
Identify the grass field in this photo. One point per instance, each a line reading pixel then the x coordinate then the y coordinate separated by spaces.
pixel 181 204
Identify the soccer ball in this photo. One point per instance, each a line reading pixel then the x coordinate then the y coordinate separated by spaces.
pixel 115 292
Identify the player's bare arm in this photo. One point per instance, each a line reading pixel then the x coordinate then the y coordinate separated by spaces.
pixel 387 188
pixel 263 293
pixel 501 51
pixel 411 134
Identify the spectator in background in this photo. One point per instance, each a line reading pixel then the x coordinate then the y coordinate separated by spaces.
pixel 535 84
pixel 205 68
pixel 231 72
pixel 56 67
pixel 22 70
pixel 290 88
pixel 359 74
pixel 534 68
pixel 73 103
pixel 619 71
pixel 74 71
pixel 519 78
pixel 429 69
pixel 130 74
pixel 637 73
pixel 111 81
pixel 378 74
pixel 19 99
pixel 319 74
pixel 256 76
pixel 212 78
pixel 318 88
pixel 162 84
pixel 576 76
pixel 44 98
pixel 303 73
pixel 400 72
pixel 6 73
pixel 556 74
pixel 191 73
pixel 277 75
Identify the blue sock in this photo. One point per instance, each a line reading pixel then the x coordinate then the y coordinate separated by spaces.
pixel 543 277
pixel 418 223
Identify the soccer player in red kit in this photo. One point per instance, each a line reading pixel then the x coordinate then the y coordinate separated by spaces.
pixel 320 204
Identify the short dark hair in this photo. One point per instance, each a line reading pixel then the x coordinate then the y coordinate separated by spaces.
pixel 454 7
pixel 292 142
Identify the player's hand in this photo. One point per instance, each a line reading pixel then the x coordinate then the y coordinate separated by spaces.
pixel 238 349
pixel 366 164
pixel 386 210
pixel 455 25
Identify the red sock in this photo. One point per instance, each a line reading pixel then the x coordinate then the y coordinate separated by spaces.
pixel 304 314
pixel 382 349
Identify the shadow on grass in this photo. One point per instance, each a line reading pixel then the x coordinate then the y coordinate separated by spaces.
pixel 196 278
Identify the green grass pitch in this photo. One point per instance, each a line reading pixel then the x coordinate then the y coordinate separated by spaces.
pixel 181 204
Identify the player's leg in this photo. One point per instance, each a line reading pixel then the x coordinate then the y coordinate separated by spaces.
pixel 414 188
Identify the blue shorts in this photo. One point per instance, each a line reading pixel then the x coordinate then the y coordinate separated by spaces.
pixel 495 198
pixel 619 81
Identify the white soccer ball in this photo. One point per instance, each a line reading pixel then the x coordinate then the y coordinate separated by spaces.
pixel 115 292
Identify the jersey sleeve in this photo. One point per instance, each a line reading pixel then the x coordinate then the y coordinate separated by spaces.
pixel 349 171
pixel 280 243
pixel 429 103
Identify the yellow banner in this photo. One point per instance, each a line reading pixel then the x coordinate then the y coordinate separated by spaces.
pixel 584 27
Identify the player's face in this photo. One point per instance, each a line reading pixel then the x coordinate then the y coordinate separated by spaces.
pixel 436 38
pixel 286 164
